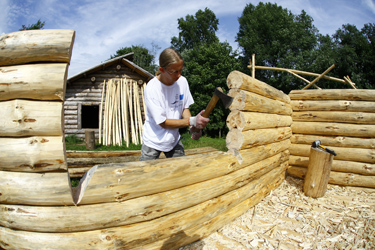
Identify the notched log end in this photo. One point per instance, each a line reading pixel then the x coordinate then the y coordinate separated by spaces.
pixel 236 154
pixel 83 183
pixel 236 120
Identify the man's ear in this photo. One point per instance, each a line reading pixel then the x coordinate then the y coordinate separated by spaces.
pixel 161 69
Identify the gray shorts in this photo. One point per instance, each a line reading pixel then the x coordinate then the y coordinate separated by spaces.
pixel 148 153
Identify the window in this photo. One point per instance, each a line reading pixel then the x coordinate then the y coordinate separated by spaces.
pixel 90 116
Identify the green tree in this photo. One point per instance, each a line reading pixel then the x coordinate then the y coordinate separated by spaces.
pixel 36 26
pixel 279 39
pixel 195 30
pixel 142 57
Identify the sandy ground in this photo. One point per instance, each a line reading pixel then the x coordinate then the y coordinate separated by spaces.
pixel 287 219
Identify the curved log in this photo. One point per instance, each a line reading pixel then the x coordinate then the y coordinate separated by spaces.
pixel 31 118
pixel 32 154
pixel 253 120
pixel 247 101
pixel 47 81
pixel 239 80
pixel 333 94
pixel 332 129
pixel 36 46
pixel 145 208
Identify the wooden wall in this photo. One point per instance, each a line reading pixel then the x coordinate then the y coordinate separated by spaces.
pixel 344 121
pixel 88 90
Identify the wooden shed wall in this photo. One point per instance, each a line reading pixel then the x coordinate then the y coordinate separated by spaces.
pixel 88 91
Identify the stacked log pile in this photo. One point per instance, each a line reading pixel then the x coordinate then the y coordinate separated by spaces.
pixel 344 121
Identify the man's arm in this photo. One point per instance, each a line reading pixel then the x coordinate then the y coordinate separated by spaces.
pixel 178 123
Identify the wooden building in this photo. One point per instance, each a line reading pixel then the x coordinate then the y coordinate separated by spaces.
pixel 86 95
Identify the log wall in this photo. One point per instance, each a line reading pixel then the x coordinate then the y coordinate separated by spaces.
pixel 343 120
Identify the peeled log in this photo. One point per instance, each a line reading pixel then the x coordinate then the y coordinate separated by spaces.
pixel 237 139
pixel 335 141
pixel 253 120
pixel 352 106
pixel 345 154
pixel 332 129
pixel 36 46
pixel 139 234
pixel 239 80
pixel 120 182
pixel 247 101
pixel 49 189
pixel 32 154
pixel 337 165
pixel 145 208
pixel 338 178
pixel 334 94
pixel 335 116
pixel 33 81
pixel 31 118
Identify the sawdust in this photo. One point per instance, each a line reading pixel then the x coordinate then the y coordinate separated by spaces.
pixel 287 219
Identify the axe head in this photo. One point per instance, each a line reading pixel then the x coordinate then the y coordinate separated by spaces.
pixel 226 99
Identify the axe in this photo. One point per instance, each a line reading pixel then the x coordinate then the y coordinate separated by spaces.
pixel 218 94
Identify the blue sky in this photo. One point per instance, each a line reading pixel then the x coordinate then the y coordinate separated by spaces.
pixel 104 26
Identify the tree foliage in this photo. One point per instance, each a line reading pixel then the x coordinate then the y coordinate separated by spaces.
pixel 36 26
pixel 142 57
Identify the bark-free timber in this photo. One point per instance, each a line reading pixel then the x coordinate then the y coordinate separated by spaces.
pixel 237 139
pixel 247 101
pixel 333 105
pixel 36 46
pixel 144 233
pixel 338 178
pixel 31 118
pixel 32 154
pixel 335 141
pixel 253 120
pixel 334 129
pixel 239 80
pixel 317 175
pixel 335 116
pixel 334 94
pixel 107 215
pixel 47 83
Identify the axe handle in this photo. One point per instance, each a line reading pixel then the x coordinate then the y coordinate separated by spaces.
pixel 210 106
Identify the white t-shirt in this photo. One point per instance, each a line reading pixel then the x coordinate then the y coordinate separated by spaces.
pixel 164 102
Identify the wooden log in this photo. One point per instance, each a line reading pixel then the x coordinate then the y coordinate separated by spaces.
pixel 253 120
pixel 237 139
pixel 337 165
pixel 333 105
pixel 140 234
pixel 345 154
pixel 90 138
pixel 101 115
pixel 338 178
pixel 335 116
pixel 39 189
pixel 247 101
pixel 334 141
pixel 145 208
pixel 239 80
pixel 32 154
pixel 31 118
pixel 317 175
pixel 33 81
pixel 120 182
pixel 333 129
pixel 319 77
pixel 36 46
pixel 334 94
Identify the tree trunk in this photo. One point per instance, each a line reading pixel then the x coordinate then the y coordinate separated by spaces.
pixel 247 101
pixel 253 120
pixel 333 94
pixel 36 46
pixel 317 175
pixel 31 118
pixel 47 81
pixel 239 80
pixel 333 105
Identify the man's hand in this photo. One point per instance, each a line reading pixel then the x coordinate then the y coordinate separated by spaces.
pixel 199 121
pixel 195 135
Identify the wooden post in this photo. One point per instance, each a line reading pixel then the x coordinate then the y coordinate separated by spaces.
pixel 90 138
pixel 317 174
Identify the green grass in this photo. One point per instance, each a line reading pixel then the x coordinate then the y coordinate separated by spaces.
pixel 72 142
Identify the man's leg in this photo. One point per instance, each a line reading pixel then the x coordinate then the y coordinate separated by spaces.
pixel 177 151
pixel 148 153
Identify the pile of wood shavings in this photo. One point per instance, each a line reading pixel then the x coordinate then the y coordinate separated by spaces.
pixel 287 219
